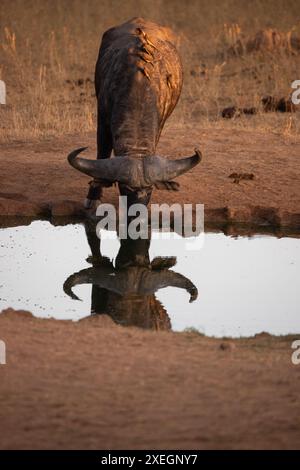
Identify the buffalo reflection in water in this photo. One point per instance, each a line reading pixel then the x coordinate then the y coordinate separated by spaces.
pixel 126 292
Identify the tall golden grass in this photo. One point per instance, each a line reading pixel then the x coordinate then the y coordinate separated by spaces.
pixel 48 50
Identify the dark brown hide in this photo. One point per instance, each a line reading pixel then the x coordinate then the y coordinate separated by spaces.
pixel 138 81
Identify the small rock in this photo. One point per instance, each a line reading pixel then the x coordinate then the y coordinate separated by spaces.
pixel 237 177
pixel 275 104
pixel 227 346
pixel 231 112
pixel 262 335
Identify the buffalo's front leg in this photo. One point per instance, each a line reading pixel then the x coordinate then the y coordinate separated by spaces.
pixel 104 149
pixel 98 294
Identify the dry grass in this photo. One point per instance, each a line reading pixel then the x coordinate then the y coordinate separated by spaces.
pixel 48 51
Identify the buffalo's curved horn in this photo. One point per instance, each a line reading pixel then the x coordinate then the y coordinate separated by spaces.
pixel 107 169
pixel 73 281
pixel 85 276
pixel 134 172
pixel 167 170
pixel 122 284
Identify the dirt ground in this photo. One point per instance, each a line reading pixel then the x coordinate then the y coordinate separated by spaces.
pixel 95 385
pixel 41 183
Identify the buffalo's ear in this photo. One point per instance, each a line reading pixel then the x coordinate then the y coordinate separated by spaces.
pixel 160 263
pixel 168 185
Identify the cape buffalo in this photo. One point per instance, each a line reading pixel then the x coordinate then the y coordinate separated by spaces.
pixel 127 291
pixel 138 81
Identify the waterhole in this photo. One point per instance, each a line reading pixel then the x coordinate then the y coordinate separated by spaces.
pixel 224 287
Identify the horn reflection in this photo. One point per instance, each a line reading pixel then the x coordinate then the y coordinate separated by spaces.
pixel 126 291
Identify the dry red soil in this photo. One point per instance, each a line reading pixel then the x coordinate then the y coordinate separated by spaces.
pixel 95 385
pixel 36 179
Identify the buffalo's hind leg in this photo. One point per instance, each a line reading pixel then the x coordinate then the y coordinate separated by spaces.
pixel 104 149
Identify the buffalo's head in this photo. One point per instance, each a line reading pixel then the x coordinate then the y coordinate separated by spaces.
pixel 135 176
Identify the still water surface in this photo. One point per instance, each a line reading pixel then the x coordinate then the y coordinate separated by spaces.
pixel 245 285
